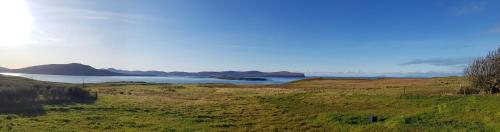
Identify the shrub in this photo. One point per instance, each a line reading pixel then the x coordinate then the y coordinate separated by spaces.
pixel 19 95
pixel 77 93
pixel 484 72
pixel 468 91
pixel 17 100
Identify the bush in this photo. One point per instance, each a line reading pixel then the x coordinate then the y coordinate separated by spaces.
pixel 11 95
pixel 26 96
pixel 484 72
pixel 468 91
pixel 18 100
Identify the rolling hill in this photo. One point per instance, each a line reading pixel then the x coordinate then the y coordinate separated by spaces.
pixel 74 69
pixel 2 69
pixel 77 69
pixel 233 74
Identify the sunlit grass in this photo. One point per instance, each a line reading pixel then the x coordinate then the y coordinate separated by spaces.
pixel 313 105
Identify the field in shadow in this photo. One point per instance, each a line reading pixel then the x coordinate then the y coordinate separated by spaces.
pixel 27 97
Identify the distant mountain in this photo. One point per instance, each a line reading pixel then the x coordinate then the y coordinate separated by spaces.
pixel 2 69
pixel 178 73
pixel 138 73
pixel 284 74
pixel 223 74
pixel 74 69
pixel 250 74
pixel 77 69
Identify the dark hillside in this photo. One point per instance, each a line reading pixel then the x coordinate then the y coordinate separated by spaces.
pixel 221 74
pixel 66 69
pixel 25 96
pixel 2 69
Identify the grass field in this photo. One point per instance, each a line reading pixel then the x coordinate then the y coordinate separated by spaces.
pixel 307 105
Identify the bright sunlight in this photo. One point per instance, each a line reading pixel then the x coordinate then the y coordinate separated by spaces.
pixel 16 23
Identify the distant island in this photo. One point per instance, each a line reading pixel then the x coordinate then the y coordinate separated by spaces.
pixel 76 69
pixel 244 78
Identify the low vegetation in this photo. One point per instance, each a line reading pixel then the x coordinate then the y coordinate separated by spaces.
pixel 309 105
pixel 25 96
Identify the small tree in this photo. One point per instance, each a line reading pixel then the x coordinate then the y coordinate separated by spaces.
pixel 484 72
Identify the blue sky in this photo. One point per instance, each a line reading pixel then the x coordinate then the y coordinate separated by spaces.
pixel 313 36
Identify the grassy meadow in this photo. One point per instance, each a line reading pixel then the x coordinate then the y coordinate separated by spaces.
pixel 306 105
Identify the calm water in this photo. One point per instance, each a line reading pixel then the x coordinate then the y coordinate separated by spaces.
pixel 182 80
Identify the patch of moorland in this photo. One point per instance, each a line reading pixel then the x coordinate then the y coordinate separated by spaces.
pixel 26 96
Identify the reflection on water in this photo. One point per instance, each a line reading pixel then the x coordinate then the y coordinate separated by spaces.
pixel 152 79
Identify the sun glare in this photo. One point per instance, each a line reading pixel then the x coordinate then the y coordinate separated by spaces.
pixel 16 23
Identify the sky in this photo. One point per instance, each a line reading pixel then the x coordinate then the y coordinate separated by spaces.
pixel 311 36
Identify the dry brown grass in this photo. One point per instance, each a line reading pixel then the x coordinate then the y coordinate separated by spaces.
pixel 384 86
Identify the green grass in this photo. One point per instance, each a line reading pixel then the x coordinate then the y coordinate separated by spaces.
pixel 311 105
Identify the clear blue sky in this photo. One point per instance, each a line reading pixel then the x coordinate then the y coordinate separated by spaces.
pixel 365 36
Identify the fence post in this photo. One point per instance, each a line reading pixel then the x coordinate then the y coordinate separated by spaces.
pixel 83 83
pixel 463 90
pixel 404 91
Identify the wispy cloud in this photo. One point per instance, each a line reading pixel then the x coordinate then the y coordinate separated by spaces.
pixel 443 73
pixel 103 15
pixel 60 23
pixel 74 13
pixel 395 72
pixel 470 7
pixel 451 62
